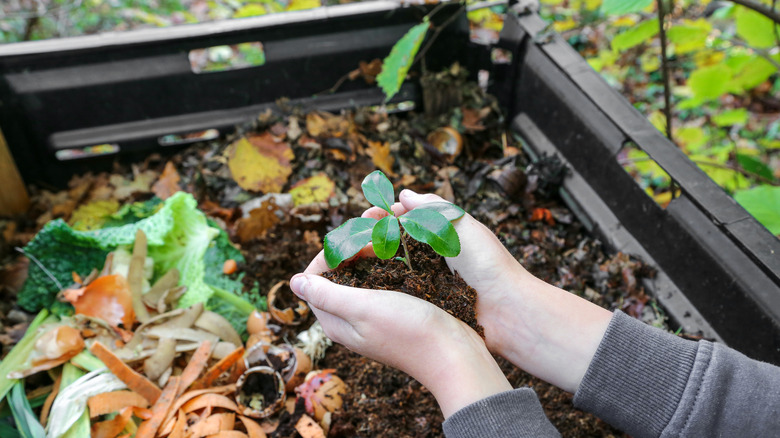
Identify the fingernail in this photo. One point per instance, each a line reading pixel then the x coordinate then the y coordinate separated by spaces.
pixel 409 192
pixel 299 284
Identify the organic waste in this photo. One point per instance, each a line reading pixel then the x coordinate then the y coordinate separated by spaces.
pixel 160 288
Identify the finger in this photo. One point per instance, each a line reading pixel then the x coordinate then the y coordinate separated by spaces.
pixel 411 200
pixel 378 213
pixel 348 303
pixel 318 265
pixel 336 329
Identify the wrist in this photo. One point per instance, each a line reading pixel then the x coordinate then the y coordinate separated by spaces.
pixel 465 372
pixel 549 332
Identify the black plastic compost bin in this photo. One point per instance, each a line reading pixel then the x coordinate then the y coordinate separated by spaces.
pixel 719 269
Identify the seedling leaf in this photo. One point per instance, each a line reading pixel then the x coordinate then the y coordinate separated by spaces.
pixel 378 190
pixel 396 65
pixel 347 240
pixel 450 211
pixel 386 237
pixel 433 228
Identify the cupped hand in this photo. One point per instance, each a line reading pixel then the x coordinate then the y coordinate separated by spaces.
pixel 484 263
pixel 410 334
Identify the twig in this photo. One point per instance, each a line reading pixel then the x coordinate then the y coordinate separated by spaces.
pixel 760 8
pixel 665 70
pixel 40 265
pixel 436 32
pixel 777 33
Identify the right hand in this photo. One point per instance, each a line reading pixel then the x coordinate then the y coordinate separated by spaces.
pixel 542 329
pixel 484 263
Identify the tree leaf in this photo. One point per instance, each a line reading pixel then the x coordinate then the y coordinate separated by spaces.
pixel 689 36
pixel 737 116
pixel 433 228
pixel 754 165
pixel 763 202
pixel 386 237
pixel 378 190
pixel 347 240
pixel 636 35
pixel 753 72
pixel 620 7
pixel 754 28
pixel 709 82
pixel 447 209
pixel 396 65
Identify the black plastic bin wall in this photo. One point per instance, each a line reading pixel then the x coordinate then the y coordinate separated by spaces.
pixel 718 268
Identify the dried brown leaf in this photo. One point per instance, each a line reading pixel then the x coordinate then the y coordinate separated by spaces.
pixel 168 183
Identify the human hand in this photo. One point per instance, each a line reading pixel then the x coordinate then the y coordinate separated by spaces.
pixel 542 329
pixel 410 334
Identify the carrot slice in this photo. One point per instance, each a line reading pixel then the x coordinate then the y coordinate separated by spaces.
pixel 142 413
pixel 213 400
pixel 178 427
pixel 252 428
pixel 55 390
pixel 189 395
pixel 229 434
pixel 195 366
pixel 132 379
pixel 213 425
pixel 113 427
pixel 220 367
pixel 115 401
pixel 148 429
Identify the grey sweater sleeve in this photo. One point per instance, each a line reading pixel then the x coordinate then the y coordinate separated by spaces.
pixel 515 413
pixel 650 383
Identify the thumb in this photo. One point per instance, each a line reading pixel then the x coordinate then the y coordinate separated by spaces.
pixel 342 301
pixel 411 199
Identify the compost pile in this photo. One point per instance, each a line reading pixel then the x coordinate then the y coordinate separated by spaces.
pixel 171 273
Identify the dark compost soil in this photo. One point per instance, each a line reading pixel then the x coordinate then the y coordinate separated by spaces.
pixel 492 179
pixel 430 280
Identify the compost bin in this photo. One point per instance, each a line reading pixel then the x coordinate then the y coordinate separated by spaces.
pixel 718 268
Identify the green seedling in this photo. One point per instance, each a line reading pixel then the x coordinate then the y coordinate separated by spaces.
pixel 430 223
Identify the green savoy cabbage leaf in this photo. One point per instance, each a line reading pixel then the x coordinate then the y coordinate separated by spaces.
pixel 178 236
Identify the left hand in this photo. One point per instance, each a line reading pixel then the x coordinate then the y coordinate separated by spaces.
pixel 441 352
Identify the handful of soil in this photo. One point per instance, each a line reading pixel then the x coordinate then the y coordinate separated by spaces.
pixel 430 280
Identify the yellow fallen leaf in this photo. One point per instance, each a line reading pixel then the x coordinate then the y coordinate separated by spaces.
pixel 318 188
pixel 259 163
pixel 298 5
pixel 93 215
pixel 380 155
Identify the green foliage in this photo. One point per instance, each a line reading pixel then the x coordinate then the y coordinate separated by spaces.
pixel 347 240
pixel 635 35
pixel 620 7
pixel 26 421
pixel 755 28
pixel 378 190
pixel 429 224
pixel 763 202
pixel 431 227
pixel 386 236
pixel 737 116
pixel 689 36
pixel 709 82
pixel 397 64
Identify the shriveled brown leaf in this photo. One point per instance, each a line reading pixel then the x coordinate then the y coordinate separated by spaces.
pixel 168 183
pixel 472 118
pixel 380 154
pixel 258 223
